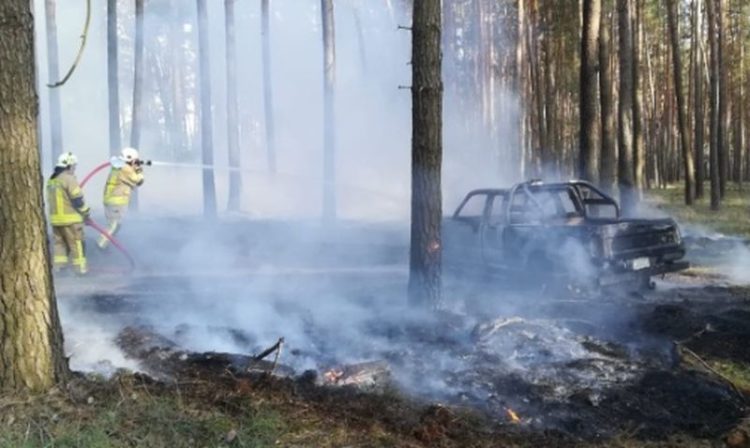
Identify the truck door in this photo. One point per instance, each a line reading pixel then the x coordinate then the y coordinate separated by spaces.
pixel 462 233
pixel 492 231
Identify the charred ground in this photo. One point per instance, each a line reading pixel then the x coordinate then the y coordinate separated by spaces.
pixel 665 368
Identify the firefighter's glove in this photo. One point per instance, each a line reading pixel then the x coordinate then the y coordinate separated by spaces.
pixel 86 213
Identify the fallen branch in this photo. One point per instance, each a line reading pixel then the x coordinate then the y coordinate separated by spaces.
pixel 274 348
pixel 278 355
pixel 708 367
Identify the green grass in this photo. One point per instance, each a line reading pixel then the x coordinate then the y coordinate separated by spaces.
pixel 153 422
pixel 124 412
pixel 735 371
pixel 732 218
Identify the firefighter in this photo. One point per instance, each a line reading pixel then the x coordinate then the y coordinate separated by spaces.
pixel 68 211
pixel 125 176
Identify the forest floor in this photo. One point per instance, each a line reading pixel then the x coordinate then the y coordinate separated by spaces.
pixel 733 218
pixel 666 368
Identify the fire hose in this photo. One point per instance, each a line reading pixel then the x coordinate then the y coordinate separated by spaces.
pixel 91 223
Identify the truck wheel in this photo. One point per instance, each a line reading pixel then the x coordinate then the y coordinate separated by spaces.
pixel 540 272
pixel 646 284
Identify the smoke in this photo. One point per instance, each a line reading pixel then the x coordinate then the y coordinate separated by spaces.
pixel 335 293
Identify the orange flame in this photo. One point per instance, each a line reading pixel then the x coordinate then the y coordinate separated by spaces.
pixel 513 416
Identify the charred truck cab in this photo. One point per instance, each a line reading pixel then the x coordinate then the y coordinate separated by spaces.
pixel 570 231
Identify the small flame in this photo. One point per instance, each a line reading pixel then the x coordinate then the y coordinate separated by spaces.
pixel 333 375
pixel 513 416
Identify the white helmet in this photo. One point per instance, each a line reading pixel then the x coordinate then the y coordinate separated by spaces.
pixel 129 154
pixel 66 160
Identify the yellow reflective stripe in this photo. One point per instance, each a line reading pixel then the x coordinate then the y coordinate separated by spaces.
pixel 59 200
pixel 116 200
pixel 64 219
pixel 80 260
pixel 60 259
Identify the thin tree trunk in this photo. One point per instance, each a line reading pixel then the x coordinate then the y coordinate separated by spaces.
pixel 113 83
pixel 138 69
pixel 520 86
pixel 682 122
pixel 639 146
pixel 426 199
pixel 589 86
pixel 209 188
pixel 32 356
pixel 268 85
pixel 724 114
pixel 625 110
pixel 714 105
pixel 233 134
pixel 608 171
pixel 739 117
pixel 135 130
pixel 329 118
pixel 699 119
pixel 177 40
pixel 53 66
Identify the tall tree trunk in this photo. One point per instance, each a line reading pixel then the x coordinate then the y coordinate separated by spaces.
pixel 53 67
pixel 589 86
pixel 714 105
pixel 177 48
pixel 138 69
pixel 625 109
pixel 699 119
pixel 113 83
pixel 268 85
pixel 209 188
pixel 639 146
pixel 608 171
pixel 739 115
pixel 31 343
pixel 520 87
pixel 233 132
pixel 682 122
pixel 724 116
pixel 427 152
pixel 329 117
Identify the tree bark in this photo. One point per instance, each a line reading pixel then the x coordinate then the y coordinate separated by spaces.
pixel 268 86
pixel 589 86
pixel 113 83
pixel 209 188
pixel 714 105
pixel 608 171
pixel 329 118
pixel 53 67
pixel 520 85
pixel 699 119
pixel 426 196
pixel 138 69
pixel 233 137
pixel 31 342
pixel 639 146
pixel 739 128
pixel 724 114
pixel 625 110
pixel 682 122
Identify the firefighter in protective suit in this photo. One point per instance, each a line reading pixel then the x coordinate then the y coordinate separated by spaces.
pixel 67 211
pixel 125 176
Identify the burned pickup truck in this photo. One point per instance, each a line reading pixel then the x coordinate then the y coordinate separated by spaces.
pixel 552 232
